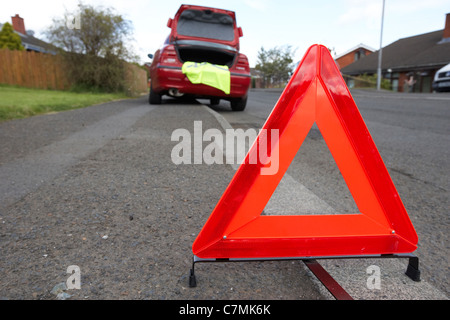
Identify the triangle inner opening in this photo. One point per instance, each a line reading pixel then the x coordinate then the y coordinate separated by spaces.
pixel 313 183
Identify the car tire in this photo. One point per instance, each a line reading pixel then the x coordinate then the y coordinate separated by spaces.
pixel 238 104
pixel 154 98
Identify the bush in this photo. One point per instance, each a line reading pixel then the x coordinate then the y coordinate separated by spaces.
pixel 94 52
pixel 9 39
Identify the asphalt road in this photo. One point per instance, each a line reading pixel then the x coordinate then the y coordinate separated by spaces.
pixel 412 134
pixel 97 188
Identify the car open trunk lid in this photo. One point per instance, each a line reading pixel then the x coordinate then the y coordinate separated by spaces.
pixel 204 24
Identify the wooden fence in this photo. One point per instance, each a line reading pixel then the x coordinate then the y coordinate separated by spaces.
pixel 135 80
pixel 46 71
pixel 33 70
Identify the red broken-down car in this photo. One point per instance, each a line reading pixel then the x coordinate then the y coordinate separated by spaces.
pixel 200 34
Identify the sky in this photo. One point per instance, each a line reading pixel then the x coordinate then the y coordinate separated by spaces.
pixel 337 24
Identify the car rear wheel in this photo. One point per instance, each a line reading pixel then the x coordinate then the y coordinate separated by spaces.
pixel 238 104
pixel 154 98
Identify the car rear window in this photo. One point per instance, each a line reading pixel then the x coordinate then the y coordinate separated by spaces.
pixel 206 24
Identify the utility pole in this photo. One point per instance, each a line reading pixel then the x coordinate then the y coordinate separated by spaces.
pixel 380 52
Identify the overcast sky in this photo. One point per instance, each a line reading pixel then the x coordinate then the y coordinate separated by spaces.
pixel 338 24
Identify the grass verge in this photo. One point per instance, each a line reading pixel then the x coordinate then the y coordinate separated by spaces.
pixel 16 102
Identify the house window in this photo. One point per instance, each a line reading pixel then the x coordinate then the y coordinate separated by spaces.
pixel 394 81
pixel 395 85
pixel 359 54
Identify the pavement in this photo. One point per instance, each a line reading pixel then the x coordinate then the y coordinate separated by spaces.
pixel 97 189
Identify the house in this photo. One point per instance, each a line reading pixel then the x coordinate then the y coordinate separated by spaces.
pixel 257 78
pixel 409 63
pixel 28 40
pixel 354 54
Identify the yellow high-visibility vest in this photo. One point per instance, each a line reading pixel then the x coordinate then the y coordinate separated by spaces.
pixel 209 74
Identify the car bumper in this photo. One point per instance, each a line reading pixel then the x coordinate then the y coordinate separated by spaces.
pixel 441 85
pixel 171 77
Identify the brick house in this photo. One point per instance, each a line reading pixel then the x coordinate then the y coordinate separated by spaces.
pixel 415 59
pixel 30 42
pixel 352 55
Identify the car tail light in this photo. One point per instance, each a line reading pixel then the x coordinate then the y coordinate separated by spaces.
pixel 242 63
pixel 169 56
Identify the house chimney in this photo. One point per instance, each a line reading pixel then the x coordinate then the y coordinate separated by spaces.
pixel 18 24
pixel 446 34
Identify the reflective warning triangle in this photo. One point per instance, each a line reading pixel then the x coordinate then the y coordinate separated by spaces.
pixel 317 94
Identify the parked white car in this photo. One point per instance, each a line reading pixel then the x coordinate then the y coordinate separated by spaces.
pixel 442 79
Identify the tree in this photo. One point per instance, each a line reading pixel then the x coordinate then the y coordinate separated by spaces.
pixel 9 39
pixel 95 47
pixel 276 65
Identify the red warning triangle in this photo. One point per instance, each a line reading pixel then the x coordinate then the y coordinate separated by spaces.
pixel 315 94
